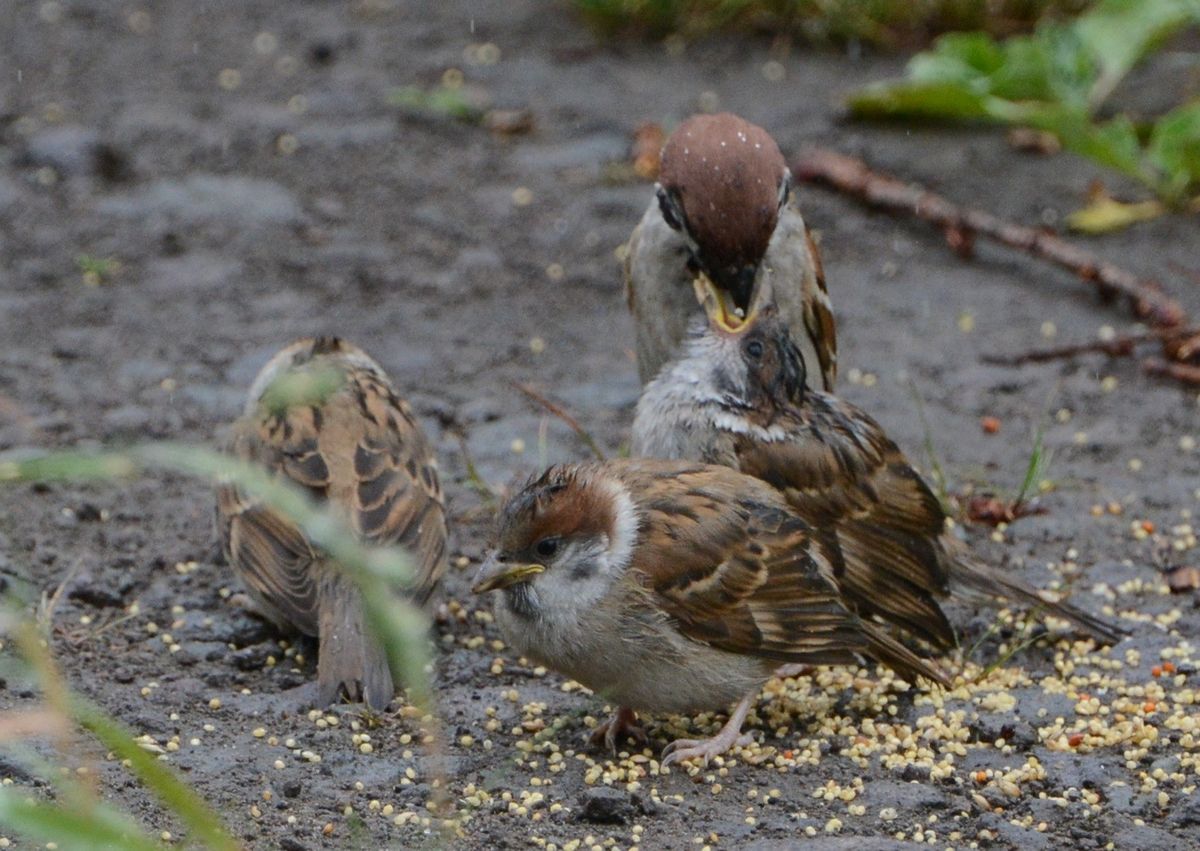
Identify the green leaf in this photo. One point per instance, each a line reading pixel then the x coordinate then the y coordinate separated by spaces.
pixel 1025 74
pixel 957 57
pixel 1174 150
pixel 919 100
pixel 1072 69
pixel 1113 144
pixel 1105 215
pixel 440 101
pixel 1118 33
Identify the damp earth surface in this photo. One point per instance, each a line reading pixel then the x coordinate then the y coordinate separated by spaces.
pixel 184 188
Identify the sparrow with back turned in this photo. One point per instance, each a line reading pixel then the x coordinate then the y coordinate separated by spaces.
pixel 670 586
pixel 725 206
pixel 324 415
pixel 738 397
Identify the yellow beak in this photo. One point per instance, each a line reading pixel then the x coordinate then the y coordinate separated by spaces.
pixel 718 304
pixel 494 574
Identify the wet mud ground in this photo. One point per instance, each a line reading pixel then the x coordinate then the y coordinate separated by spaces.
pixel 242 165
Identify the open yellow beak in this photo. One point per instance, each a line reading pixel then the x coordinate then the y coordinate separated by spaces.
pixel 494 574
pixel 719 306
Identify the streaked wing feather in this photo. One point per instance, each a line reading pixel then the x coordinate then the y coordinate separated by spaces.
pixel 840 472
pixel 396 497
pixel 818 319
pixel 745 581
pixel 273 559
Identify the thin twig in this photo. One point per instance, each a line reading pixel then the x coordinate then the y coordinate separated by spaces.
pixel 961 224
pixel 558 411
pixel 474 480
pixel 1184 372
pixel 1116 348
pixel 1178 345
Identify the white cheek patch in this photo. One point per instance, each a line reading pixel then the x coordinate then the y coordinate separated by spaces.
pixel 625 527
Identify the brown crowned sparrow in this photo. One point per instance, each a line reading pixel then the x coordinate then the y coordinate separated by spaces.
pixel 324 415
pixel 725 206
pixel 670 586
pixel 737 397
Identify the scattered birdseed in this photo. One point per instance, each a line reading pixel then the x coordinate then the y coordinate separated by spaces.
pixel 229 79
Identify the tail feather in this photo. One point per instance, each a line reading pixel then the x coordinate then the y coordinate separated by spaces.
pixel 973 575
pixel 351 655
pixel 883 648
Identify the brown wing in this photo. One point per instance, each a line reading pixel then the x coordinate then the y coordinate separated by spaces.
pixel 360 449
pixel 272 556
pixel 846 478
pixel 818 318
pixel 390 482
pixel 738 571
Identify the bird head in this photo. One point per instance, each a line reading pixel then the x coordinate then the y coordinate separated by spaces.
pixel 722 184
pixel 563 539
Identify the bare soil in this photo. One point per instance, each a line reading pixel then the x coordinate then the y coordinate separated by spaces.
pixel 241 163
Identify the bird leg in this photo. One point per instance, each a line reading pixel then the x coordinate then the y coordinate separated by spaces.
pixel 622 723
pixel 730 736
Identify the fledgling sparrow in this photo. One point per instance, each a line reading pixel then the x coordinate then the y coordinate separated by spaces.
pixel 669 586
pixel 324 415
pixel 724 205
pixel 737 397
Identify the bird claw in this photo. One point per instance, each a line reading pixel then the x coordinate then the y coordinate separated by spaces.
pixel 622 723
pixel 685 749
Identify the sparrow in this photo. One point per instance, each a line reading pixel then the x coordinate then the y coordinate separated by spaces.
pixel 323 415
pixel 725 205
pixel 671 586
pixel 738 397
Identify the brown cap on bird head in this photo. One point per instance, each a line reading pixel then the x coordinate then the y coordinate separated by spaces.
pixel 722 182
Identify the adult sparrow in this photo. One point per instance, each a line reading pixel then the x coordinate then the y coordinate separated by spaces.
pixel 324 415
pixel 738 397
pixel 725 206
pixel 669 586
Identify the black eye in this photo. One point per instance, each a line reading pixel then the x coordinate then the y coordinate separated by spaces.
pixel 546 547
pixel 754 349
pixel 667 210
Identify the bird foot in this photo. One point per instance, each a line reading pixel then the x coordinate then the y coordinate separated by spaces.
pixel 685 749
pixel 622 723
pixel 730 736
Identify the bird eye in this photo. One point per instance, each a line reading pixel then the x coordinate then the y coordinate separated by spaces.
pixel 546 547
pixel 666 208
pixel 754 349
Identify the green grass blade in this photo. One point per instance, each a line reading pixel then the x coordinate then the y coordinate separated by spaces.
pixel 376 570
pixel 176 796
pixel 940 488
pixel 1039 460
pixel 99 828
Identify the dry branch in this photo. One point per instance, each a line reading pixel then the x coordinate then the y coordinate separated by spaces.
pixel 560 412
pixel 1178 345
pixel 1184 372
pixel 962 224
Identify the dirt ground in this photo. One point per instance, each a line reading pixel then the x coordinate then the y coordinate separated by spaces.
pixel 242 165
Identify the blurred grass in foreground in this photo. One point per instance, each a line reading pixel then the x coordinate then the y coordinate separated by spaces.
pixel 883 23
pixel 77 819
